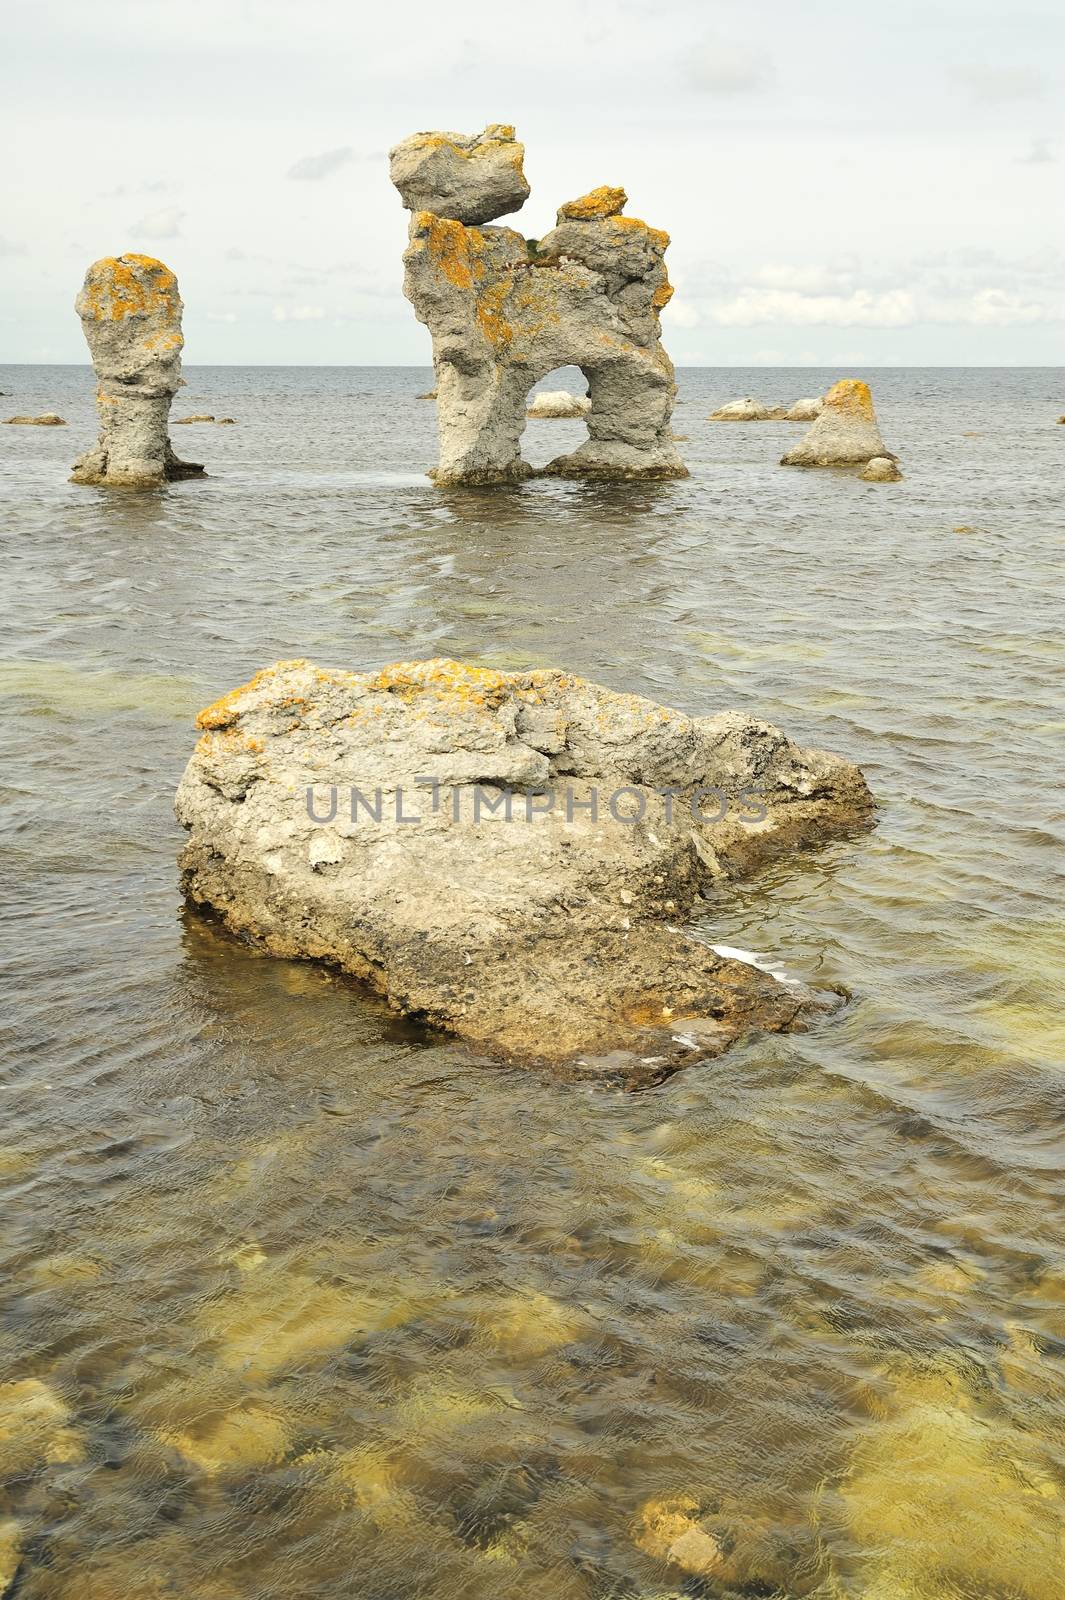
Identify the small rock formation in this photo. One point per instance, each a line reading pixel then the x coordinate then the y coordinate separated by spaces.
pixel 748 410
pixel 471 180
pixel 504 311
pixel 225 422
pixel 47 420
pixel 430 394
pixel 470 858
pixel 559 403
pixel 805 410
pixel 130 312
pixel 881 469
pixel 845 433
pixel 199 416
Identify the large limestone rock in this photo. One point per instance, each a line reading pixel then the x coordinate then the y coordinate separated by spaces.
pixel 559 403
pixel 552 933
pixel 845 433
pixel 504 312
pixel 469 180
pixel 130 312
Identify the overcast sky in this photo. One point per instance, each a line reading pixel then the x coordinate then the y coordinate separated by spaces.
pixel 843 183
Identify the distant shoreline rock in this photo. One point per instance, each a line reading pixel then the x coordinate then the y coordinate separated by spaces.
pixel 47 419
pixel 486 879
pixel 559 403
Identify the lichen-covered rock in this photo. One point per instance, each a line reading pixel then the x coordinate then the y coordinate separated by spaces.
pixel 807 409
pixel 747 410
pixel 49 419
pixel 130 313
pixel 509 856
pixel 881 469
pixel 504 312
pixel 556 403
pixel 469 180
pixel 844 434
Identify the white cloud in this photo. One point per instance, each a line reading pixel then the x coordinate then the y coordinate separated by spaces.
pixel 859 309
pixel 994 85
pixel 298 313
pixel 719 67
pixel 1039 154
pixel 311 168
pixel 165 224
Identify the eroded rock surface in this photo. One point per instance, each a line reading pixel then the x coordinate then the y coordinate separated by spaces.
pixel 554 934
pixel 504 312
pixel 845 433
pixel 130 312
pixel 805 410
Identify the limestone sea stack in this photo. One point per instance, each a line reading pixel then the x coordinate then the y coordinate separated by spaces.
pixel 503 312
pixel 557 403
pixel 845 433
pixel 130 312
pixel 508 856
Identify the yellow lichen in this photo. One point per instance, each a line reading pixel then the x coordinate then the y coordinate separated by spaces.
pixel 489 313
pixel 852 395
pixel 130 285
pixel 602 202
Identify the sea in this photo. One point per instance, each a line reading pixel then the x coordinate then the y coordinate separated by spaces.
pixel 298 1300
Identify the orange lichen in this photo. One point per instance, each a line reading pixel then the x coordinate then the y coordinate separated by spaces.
pixel 456 250
pixel 850 394
pixel 662 295
pixel 602 202
pixel 489 313
pixel 128 286
pixel 225 710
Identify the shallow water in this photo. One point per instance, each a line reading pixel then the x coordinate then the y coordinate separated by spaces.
pixel 298 1302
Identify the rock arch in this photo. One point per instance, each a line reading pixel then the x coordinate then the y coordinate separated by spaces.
pixel 504 311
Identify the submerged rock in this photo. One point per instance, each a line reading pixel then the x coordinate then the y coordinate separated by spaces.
pixel 504 312
pixel 845 433
pixel 47 420
pixel 467 179
pixel 10 1553
pixel 473 856
pixel 881 469
pixel 748 410
pixel 559 403
pixel 130 313
pixel 34 1429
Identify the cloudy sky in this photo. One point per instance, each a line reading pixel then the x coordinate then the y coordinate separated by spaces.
pixel 843 183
